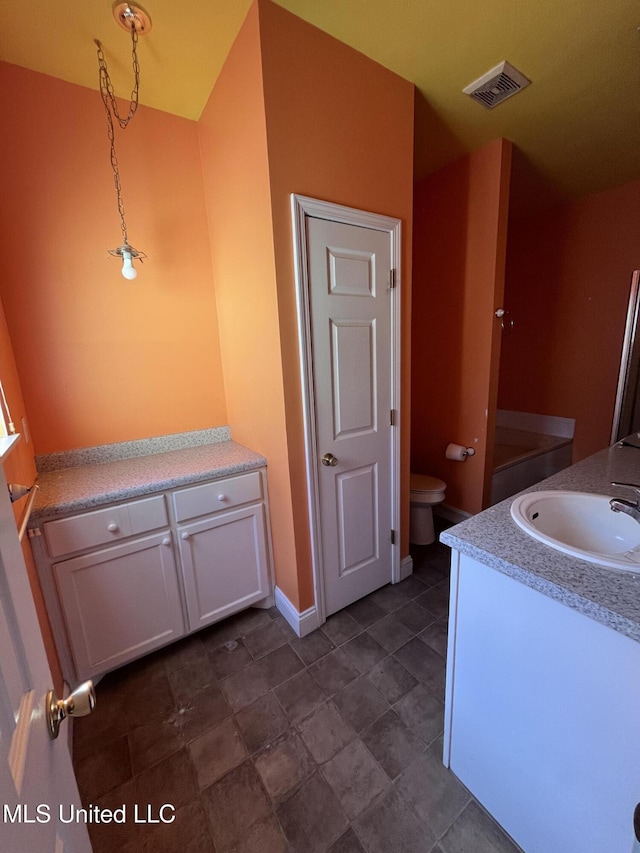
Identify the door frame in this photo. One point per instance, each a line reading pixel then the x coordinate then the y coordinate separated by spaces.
pixel 301 208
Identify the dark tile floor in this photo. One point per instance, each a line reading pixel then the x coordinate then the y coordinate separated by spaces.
pixel 264 742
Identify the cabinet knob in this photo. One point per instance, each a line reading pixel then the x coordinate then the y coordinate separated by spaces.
pixel 222 497
pixel 166 540
pixel 113 527
pixel 185 535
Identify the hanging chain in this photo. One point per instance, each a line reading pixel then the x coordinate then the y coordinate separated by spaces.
pixel 111 109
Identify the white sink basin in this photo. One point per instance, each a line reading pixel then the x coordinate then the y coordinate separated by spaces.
pixel 582 525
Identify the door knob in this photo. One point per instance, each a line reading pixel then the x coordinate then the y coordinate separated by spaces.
pixel 329 459
pixel 80 703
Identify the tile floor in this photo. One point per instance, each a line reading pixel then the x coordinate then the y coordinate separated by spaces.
pixel 265 742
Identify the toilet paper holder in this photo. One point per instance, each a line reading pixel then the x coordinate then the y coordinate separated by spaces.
pixel 458 452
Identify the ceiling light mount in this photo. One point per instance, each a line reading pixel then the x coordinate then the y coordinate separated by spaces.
pixel 130 14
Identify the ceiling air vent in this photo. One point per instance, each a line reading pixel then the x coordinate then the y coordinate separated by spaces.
pixel 496 85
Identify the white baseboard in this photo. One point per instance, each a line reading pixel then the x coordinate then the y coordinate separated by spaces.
pixel 406 567
pixel 302 623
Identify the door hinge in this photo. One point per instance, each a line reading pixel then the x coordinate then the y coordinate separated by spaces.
pixel 393 419
pixel 392 278
pixel 393 537
pixel 35 531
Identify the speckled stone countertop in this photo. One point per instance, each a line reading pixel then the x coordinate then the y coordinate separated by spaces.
pixel 82 487
pixel 609 596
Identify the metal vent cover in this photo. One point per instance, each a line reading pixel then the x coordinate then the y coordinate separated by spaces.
pixel 496 85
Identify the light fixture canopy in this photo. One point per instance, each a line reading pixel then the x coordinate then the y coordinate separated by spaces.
pixel 128 14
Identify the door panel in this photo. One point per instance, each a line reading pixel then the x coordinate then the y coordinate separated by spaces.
pixel 350 318
pixel 353 354
pixel 351 273
pixel 358 510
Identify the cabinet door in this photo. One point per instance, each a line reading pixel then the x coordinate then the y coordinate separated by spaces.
pixel 543 708
pixel 224 563
pixel 120 603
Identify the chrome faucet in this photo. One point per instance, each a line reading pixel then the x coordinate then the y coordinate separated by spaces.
pixel 628 507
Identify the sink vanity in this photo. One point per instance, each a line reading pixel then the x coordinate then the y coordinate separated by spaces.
pixel 542 719
pixel 134 552
pixel 581 525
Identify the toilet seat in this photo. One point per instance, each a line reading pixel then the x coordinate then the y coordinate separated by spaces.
pixel 425 489
pixel 426 483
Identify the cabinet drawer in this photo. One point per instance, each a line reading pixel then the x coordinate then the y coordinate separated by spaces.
pixel 218 495
pixel 102 526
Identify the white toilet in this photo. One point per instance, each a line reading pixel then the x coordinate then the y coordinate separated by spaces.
pixel 426 492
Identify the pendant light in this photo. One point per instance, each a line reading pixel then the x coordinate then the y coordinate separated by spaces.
pixel 134 19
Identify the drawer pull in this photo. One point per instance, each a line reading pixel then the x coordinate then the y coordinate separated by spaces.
pixel 185 535
pixel 166 541
pixel 222 497
pixel 113 527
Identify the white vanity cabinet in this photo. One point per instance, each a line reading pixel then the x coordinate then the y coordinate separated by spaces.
pixel 125 579
pixel 542 714
pixel 223 547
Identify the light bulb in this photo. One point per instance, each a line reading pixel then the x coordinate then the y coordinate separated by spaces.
pixel 128 269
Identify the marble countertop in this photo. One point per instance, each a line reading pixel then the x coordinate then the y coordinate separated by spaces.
pixel 609 596
pixel 82 487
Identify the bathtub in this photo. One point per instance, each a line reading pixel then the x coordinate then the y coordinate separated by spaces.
pixel 522 458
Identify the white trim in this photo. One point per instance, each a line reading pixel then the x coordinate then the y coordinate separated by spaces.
pixel 302 623
pixel 625 360
pixel 406 568
pixel 301 208
pixel 451 657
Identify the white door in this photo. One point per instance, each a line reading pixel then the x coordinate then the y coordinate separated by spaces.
pixel 36 774
pixel 350 306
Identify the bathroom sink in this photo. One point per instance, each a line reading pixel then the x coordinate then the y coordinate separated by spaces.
pixel 582 525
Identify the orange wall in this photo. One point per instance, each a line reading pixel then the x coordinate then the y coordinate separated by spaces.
pixel 568 276
pixel 234 155
pixel 277 123
pixel 339 128
pixel 98 356
pixel 460 228
pixel 102 359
